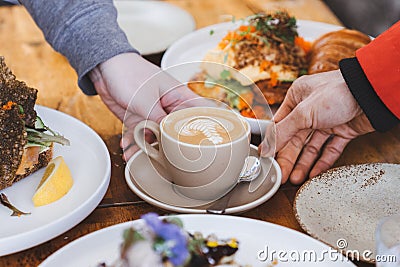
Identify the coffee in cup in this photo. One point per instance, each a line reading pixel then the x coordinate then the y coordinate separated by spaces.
pixel 202 148
pixel 210 128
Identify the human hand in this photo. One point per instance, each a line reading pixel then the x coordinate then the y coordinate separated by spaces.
pixel 135 89
pixel 315 122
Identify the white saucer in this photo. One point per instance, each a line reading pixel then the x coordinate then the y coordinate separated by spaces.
pixel 145 178
pixel 152 26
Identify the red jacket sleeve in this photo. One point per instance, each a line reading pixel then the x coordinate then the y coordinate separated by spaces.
pixel 380 61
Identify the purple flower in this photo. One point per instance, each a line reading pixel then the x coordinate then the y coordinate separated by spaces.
pixel 175 241
pixel 152 220
pixel 180 254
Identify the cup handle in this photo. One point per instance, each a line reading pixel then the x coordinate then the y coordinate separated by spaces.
pixel 138 135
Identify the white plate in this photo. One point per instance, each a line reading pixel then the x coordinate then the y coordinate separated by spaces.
pixel 152 26
pixel 342 207
pixel 146 178
pixel 90 165
pixel 254 236
pixel 193 47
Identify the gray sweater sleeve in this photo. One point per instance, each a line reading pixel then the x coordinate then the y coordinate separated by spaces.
pixel 84 31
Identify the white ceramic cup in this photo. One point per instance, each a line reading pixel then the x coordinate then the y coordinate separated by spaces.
pixel 387 238
pixel 199 171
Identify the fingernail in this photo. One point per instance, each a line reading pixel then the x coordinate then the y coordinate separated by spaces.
pixel 297 177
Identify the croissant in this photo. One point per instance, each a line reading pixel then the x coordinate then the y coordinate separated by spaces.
pixel 330 48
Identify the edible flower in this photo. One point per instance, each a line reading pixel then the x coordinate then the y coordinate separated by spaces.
pixel 8 105
pixel 232 243
pixel 301 42
pixel 274 79
pixel 170 240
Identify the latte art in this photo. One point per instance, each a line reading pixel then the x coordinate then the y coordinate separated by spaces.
pixel 207 127
pixel 201 149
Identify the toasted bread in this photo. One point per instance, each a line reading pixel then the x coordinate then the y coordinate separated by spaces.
pixel 17 92
pixel 13 151
pixel 17 158
pixel 12 142
pixel 197 85
pixel 44 158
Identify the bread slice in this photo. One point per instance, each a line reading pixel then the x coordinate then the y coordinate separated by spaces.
pixel 213 91
pixel 12 143
pixel 44 158
pixel 17 102
pixel 22 166
pixel 18 92
pixel 273 95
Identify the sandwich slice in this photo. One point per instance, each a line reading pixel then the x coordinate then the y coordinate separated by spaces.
pixel 26 144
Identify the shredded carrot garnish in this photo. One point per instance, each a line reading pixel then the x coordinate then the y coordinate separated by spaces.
pixel 248 113
pixel 256 112
pixel 9 105
pixel 243 32
pixel 245 100
pixel 264 65
pixel 305 45
pixel 274 79
pixel 247 28
pixel 231 37
pixel 223 44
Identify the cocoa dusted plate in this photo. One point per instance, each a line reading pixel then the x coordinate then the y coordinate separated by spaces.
pixel 342 206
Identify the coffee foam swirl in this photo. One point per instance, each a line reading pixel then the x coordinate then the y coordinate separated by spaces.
pixel 205 126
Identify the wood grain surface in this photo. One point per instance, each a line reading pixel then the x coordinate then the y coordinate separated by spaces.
pixel 36 63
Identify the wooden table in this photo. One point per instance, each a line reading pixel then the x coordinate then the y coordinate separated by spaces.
pixel 34 61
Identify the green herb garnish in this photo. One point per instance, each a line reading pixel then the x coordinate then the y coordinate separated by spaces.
pixel 279 27
pixel 38 136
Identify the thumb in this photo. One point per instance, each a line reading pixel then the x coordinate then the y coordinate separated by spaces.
pixel 284 131
pixel 156 113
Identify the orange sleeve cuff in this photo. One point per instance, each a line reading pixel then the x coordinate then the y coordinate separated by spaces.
pixel 380 61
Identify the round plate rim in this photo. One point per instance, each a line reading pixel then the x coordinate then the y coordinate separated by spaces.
pixel 307 183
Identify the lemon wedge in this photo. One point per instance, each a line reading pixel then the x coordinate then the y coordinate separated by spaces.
pixel 55 183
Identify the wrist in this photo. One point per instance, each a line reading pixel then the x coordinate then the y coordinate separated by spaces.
pixel 381 118
pixel 111 68
pixel 119 62
pixel 97 79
